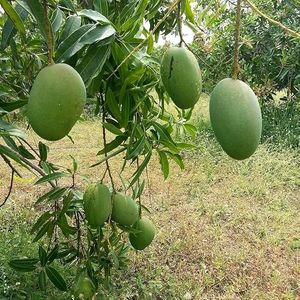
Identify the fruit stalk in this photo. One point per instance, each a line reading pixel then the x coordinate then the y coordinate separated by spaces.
pixel 236 67
pixel 179 24
pixel 49 34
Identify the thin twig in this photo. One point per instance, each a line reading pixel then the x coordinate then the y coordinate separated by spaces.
pixel 10 188
pixel 272 21
pixel 236 67
pixel 78 233
pixel 138 182
pixel 24 141
pixel 108 157
pixel 7 161
pixel 198 57
pixel 48 33
pixel 31 165
pixel 105 142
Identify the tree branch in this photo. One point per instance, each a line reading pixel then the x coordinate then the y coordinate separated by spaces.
pixel 272 21
pixel 48 32
pixel 10 188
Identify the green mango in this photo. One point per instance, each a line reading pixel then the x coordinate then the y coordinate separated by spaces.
pixel 97 204
pixel 84 288
pixel 235 117
pixel 56 101
pixel 125 210
pixel 181 76
pixel 143 238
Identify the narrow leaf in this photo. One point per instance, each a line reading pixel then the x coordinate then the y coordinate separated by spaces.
pixel 52 176
pixel 140 170
pixel 94 15
pixel 56 278
pixel 112 128
pixel 13 15
pixel 163 159
pixel 42 256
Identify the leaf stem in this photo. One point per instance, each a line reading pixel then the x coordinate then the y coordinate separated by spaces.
pixel 236 67
pixel 179 24
pixel 105 143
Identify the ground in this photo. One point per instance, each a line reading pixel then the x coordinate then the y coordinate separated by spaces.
pixel 225 229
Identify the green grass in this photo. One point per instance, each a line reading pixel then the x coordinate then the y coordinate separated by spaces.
pixel 225 229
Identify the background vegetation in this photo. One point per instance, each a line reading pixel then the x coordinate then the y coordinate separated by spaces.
pixel 225 229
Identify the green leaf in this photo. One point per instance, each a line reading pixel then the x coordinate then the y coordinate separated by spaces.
pixel 112 104
pixel 163 159
pixel 177 158
pixel 113 144
pixel 43 149
pixel 24 264
pixel 8 129
pixel 9 30
pixel 93 62
pixel 25 153
pixel 141 168
pixel 36 10
pixel 57 19
pixel 41 220
pixel 72 44
pixel 42 256
pixel 163 133
pixel 112 128
pixel 189 12
pixel 11 154
pixel 52 176
pixel 72 24
pixel 101 6
pixel 94 15
pixel 139 190
pixel 99 33
pixel 14 16
pixel 11 106
pixel 42 280
pixel 10 142
pixel 42 231
pixel 69 4
pixel 186 146
pixel 65 227
pixel 191 129
pixel 54 194
pixel 135 149
pixel 56 278
pixel 75 164
pixel 53 254
pixel 126 108
pixel 150 44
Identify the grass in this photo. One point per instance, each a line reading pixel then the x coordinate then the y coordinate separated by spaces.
pixel 225 229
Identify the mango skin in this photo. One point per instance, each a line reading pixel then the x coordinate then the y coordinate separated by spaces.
pixel 235 118
pixel 181 76
pixel 142 239
pixel 84 288
pixel 125 210
pixel 97 204
pixel 56 101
